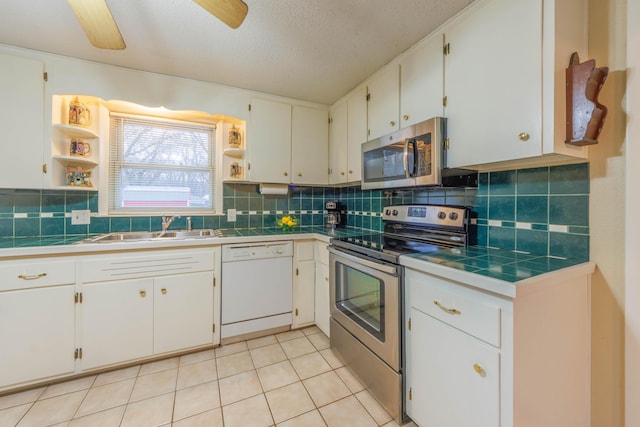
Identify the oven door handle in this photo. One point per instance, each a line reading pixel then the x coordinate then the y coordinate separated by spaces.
pixel 371 264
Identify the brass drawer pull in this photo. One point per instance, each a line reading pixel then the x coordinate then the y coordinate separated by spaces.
pixel 523 136
pixel 447 309
pixel 479 370
pixel 143 294
pixel 32 276
pixel 164 291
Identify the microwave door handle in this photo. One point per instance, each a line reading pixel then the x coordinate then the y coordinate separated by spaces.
pixel 405 158
pixel 414 144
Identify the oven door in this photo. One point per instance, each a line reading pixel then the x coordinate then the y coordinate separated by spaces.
pixel 365 300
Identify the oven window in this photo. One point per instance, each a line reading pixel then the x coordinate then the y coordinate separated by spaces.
pixel 361 297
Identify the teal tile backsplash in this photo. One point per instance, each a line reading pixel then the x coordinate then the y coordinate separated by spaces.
pixel 542 210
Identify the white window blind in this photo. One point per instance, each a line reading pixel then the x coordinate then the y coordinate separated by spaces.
pixel 157 166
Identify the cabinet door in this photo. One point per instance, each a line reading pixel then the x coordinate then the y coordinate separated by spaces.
pixel 322 297
pixel 422 82
pixel 309 145
pixel 356 132
pixel 117 322
pixel 493 83
pixel 338 144
pixel 22 122
pixel 37 332
pixel 303 293
pixel 183 311
pixel 455 378
pixel 384 105
pixel 269 142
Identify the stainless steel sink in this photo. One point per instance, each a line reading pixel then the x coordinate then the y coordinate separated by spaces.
pixel 137 236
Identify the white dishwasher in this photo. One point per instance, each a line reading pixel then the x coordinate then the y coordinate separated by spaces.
pixel 257 282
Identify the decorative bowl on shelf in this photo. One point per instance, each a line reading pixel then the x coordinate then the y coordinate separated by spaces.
pixel 287 223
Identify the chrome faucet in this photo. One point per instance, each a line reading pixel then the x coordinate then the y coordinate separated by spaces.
pixel 166 222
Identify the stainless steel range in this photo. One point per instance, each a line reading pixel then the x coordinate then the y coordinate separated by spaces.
pixel 367 292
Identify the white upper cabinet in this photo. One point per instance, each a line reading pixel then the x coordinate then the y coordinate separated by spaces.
pixel 356 132
pixel 287 144
pixel 269 142
pixel 421 82
pixel 309 145
pixel 504 78
pixel 338 143
pixel 22 122
pixel 384 105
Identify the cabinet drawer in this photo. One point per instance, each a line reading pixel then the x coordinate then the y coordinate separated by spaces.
pixel 303 250
pixel 36 273
pixel 99 268
pixel 321 252
pixel 465 309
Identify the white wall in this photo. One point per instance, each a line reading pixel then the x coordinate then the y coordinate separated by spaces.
pixel 632 250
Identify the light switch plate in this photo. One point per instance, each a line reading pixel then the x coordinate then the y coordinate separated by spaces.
pixel 80 217
pixel 231 215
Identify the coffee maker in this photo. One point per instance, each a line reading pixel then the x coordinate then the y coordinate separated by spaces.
pixel 336 214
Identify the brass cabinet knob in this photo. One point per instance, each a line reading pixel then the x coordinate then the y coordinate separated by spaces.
pixel 286 173
pixel 523 136
pixel 405 117
pixel 350 171
pixel 392 123
pixel 164 291
pixel 341 173
pixel 299 173
pixel 143 294
pixel 479 370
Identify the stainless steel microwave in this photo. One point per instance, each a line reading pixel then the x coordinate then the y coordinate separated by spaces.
pixel 411 157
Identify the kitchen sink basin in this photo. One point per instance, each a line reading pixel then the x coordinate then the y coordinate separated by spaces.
pixel 138 236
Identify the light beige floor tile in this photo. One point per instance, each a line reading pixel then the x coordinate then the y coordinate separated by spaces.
pixel 326 388
pixel 289 401
pixel 197 373
pixel 21 398
pixel 309 365
pixel 310 419
pixel 228 349
pixel 51 411
pixel 11 416
pixel 159 365
pixel 395 424
pixel 152 412
pixel 262 341
pixel 289 335
pixel 68 387
pixel 206 419
pixel 109 418
pixel 195 400
pixel 347 412
pixel 238 387
pixel 311 330
pixel 64 424
pixel 234 364
pixel 197 357
pixel 331 358
pixel 297 347
pixel 106 397
pixel 115 376
pixel 267 355
pixel 320 341
pixel 252 412
pixel 277 375
pixel 379 414
pixel 154 384
pixel 349 379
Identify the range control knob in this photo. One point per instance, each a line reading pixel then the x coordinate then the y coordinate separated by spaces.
pixel 442 215
pixel 387 211
pixel 395 212
pixel 453 216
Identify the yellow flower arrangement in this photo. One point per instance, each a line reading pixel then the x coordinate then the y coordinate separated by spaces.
pixel 287 223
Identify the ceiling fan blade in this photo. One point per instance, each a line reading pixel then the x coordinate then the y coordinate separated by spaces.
pixel 231 12
pixel 97 22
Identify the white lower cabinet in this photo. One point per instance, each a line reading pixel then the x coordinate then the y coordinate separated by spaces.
pixel 517 356
pixel 322 287
pixel 303 284
pixel 146 304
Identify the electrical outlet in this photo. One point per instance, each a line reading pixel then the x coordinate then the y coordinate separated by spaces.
pixel 80 217
pixel 231 215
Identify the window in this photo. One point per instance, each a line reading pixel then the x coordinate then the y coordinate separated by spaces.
pixel 160 165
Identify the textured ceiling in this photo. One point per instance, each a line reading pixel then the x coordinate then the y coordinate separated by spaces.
pixel 313 50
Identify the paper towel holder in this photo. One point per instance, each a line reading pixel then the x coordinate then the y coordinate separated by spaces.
pixel 274 189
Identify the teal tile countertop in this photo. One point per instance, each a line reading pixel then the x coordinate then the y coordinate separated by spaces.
pixel 505 265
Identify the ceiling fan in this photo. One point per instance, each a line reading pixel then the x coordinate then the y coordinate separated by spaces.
pixel 101 29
